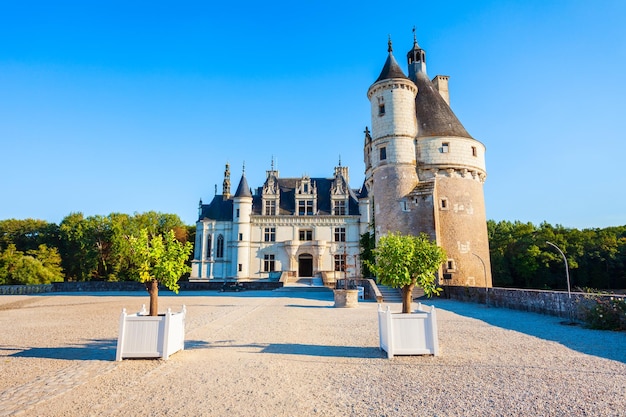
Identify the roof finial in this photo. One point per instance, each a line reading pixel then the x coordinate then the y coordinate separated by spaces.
pixel 389 47
pixel 339 159
pixel 243 168
pixel 414 35
pixel 272 162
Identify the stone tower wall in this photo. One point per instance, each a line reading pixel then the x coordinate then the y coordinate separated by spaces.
pixel 392 176
pixel 463 228
pixel 398 98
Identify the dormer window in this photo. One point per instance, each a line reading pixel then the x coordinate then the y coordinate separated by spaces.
pixel 270 208
pixel 306 197
pixel 339 207
pixel 305 207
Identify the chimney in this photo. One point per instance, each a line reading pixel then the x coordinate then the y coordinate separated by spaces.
pixel 441 84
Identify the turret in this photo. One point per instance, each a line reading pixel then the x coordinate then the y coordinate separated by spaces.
pixel 242 211
pixel 390 173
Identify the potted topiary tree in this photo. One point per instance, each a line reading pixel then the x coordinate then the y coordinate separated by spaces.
pixel 405 261
pixel 159 259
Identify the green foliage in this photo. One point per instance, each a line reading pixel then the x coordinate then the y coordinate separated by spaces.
pixel 406 261
pixel 28 234
pixel 159 257
pixel 40 266
pixel 521 258
pixel 367 243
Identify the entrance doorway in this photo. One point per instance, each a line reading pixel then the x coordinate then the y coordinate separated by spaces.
pixel 305 265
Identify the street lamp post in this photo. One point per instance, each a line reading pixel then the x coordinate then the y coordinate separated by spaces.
pixel 486 286
pixel 569 292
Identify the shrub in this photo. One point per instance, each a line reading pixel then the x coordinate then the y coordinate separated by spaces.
pixel 604 312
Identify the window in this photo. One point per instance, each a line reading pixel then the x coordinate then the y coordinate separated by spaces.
pixel 305 207
pixel 340 263
pixel 208 246
pixel 450 266
pixel 340 234
pixel 381 109
pixel 404 205
pixel 306 235
pixel 445 147
pixel 383 153
pixel 270 207
pixel 237 215
pixel 269 263
pixel 240 267
pixel 240 237
pixel 474 151
pixel 444 204
pixel 220 247
pixel 339 208
pixel 269 235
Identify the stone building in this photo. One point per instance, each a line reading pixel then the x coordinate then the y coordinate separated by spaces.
pixel 299 226
pixel 423 173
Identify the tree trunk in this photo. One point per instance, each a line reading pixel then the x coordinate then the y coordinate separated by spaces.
pixel 407 298
pixel 153 289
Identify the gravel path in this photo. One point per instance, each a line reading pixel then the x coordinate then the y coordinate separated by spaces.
pixel 293 354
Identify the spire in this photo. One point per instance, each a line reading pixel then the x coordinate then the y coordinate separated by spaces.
pixel 391 69
pixel 416 58
pixel 226 183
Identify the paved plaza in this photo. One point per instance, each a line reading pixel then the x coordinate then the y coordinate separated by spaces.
pixel 290 353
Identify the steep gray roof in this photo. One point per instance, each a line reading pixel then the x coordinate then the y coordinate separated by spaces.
pixel 391 69
pixel 218 209
pixel 288 187
pixel 243 190
pixel 434 116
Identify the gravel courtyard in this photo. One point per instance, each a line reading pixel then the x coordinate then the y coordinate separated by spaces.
pixel 279 353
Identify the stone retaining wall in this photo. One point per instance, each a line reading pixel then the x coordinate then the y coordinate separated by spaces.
pixel 97 286
pixel 555 303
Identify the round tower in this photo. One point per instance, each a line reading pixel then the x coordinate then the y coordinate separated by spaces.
pixel 390 151
pixel 242 211
pixel 451 159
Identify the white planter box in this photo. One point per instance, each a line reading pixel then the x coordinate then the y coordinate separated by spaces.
pixel 408 334
pixel 144 336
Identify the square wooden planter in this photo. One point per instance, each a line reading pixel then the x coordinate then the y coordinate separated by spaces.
pixel 408 334
pixel 144 336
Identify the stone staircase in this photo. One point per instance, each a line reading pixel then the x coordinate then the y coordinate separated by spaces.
pixel 390 295
pixel 394 295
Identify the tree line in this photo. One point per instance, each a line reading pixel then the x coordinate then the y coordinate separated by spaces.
pixel 79 248
pixel 97 247
pixel 521 258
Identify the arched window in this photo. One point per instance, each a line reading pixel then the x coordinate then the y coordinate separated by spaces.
pixel 208 246
pixel 219 252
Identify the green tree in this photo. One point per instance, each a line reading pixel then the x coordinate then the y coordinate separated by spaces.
pixel 159 259
pixel 28 234
pixel 41 266
pixel 405 261
pixel 367 242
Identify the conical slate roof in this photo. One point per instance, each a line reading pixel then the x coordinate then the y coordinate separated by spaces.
pixel 434 116
pixel 243 190
pixel 391 69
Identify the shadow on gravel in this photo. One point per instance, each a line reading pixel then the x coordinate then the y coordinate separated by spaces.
pixel 601 343
pixel 306 350
pixel 323 351
pixel 93 350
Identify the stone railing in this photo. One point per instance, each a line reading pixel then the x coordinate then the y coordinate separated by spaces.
pixel 555 303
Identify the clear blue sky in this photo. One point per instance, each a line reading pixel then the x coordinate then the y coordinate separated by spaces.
pixel 131 106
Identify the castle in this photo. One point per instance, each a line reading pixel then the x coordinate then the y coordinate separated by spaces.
pixel 423 173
